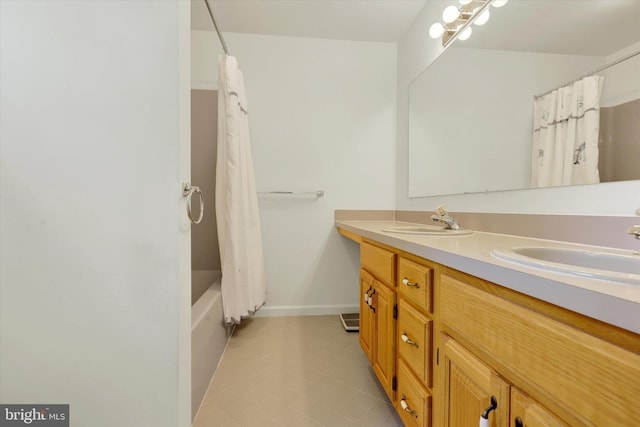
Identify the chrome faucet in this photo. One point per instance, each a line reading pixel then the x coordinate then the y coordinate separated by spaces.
pixel 443 216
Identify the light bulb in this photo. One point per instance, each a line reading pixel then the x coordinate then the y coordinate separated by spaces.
pixel 465 2
pixel 450 14
pixel 465 34
pixel 499 3
pixel 436 30
pixel 482 18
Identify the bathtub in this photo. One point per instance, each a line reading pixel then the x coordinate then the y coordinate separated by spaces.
pixel 209 335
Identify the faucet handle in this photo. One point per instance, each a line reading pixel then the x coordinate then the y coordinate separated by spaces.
pixel 441 210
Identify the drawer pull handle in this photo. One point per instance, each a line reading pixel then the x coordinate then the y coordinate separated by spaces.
pixel 484 418
pixel 405 338
pixel 406 282
pixel 406 408
pixel 519 422
pixel 366 295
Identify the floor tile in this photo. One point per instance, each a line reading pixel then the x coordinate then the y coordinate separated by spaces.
pixel 295 372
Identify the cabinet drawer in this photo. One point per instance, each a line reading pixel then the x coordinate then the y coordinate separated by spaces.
pixel 414 340
pixel 415 283
pixel 583 379
pixel 379 262
pixel 416 409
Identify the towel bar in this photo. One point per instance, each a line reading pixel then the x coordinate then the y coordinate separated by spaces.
pixel 317 193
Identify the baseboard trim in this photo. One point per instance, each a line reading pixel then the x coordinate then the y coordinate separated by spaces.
pixel 306 310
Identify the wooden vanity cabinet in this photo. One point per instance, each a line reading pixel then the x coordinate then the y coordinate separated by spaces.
pixel 570 376
pixel 448 341
pixel 377 318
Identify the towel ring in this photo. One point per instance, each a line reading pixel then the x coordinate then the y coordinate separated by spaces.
pixel 187 191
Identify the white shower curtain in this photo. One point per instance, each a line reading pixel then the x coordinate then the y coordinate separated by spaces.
pixel 566 125
pixel 244 287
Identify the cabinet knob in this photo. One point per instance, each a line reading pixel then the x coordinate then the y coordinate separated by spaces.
pixel 405 338
pixel 406 282
pixel 405 407
pixel 484 418
pixel 519 422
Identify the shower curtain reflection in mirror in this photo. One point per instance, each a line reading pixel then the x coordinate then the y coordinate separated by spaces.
pixel 565 135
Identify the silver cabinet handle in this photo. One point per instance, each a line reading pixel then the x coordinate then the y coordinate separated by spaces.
pixel 187 191
pixel 405 407
pixel 405 338
pixel 406 282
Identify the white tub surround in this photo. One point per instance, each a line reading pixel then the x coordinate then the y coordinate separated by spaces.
pixel 209 337
pixel 201 280
pixel 613 303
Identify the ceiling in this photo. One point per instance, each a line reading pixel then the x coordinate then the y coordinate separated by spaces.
pixel 358 20
pixel 552 26
pixel 580 27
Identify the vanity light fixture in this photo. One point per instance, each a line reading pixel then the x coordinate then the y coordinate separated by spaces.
pixel 482 18
pixel 465 34
pixel 457 19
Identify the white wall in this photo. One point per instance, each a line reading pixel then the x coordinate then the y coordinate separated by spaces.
pixel 415 51
pixel 94 307
pixel 621 82
pixel 321 116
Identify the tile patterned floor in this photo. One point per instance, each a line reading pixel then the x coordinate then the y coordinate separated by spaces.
pixel 298 372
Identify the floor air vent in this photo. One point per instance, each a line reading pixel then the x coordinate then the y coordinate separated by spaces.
pixel 350 322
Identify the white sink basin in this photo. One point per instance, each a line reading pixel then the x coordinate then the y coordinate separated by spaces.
pixel 597 265
pixel 426 229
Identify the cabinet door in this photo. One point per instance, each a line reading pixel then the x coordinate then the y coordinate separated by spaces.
pixel 366 314
pixel 526 412
pixel 384 340
pixel 468 387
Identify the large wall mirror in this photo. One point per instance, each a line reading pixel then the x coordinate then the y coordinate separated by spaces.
pixel 471 112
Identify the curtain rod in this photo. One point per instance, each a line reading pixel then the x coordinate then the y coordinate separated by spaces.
pixel 597 70
pixel 224 44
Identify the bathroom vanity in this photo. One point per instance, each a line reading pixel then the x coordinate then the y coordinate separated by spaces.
pixel 453 333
